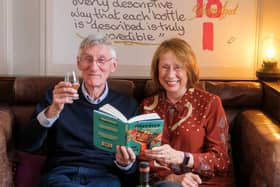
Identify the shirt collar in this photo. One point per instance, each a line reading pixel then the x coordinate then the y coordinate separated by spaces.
pixel 92 100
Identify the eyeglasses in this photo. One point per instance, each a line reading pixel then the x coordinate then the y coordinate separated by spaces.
pixel 89 59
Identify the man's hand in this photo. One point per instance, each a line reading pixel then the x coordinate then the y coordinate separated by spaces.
pixel 62 93
pixel 124 156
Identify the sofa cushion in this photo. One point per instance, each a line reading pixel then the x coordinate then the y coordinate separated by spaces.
pixel 126 87
pixel 271 103
pixel 29 166
pixel 24 95
pixel 240 94
pixel 256 149
pixel 23 114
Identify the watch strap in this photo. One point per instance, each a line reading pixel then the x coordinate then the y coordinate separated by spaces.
pixel 184 166
pixel 186 158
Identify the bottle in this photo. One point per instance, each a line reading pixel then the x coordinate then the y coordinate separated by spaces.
pixel 144 171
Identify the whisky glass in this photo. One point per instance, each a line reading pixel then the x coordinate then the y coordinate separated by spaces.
pixel 72 77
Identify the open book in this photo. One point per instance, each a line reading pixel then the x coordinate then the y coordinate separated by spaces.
pixel 111 128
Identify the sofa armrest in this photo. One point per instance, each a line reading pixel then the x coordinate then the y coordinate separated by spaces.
pixel 6 121
pixel 256 148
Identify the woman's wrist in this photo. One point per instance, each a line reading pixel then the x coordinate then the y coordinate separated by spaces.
pixel 181 157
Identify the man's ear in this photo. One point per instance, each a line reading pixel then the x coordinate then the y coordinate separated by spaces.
pixel 78 64
pixel 114 65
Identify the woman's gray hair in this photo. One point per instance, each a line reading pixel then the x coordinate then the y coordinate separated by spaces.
pixel 97 39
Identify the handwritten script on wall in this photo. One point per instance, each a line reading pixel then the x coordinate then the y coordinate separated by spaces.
pixel 212 27
pixel 149 21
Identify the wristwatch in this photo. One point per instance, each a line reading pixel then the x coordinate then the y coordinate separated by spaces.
pixel 186 158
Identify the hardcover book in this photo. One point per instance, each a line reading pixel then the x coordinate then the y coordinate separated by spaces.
pixel 111 128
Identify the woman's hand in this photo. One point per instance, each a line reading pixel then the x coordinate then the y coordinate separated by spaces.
pixel 186 180
pixel 124 156
pixel 165 154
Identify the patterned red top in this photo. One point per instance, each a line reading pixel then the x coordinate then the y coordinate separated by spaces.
pixel 197 124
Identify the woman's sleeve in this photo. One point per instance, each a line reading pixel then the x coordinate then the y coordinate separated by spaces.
pixel 215 158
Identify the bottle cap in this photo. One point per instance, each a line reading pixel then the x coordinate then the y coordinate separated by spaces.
pixel 144 166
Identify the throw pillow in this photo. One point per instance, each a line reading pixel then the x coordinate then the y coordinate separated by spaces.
pixel 29 166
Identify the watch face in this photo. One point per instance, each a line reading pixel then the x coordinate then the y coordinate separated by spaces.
pixel 187 158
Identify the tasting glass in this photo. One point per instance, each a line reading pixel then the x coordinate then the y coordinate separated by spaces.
pixel 72 77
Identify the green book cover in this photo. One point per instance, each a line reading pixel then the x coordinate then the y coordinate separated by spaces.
pixel 111 128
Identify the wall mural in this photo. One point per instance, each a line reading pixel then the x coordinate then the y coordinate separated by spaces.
pixel 222 32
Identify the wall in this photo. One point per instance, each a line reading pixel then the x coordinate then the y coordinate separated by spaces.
pixel 26 36
pixel 271 15
pixel 269 26
pixel 21 27
pixel 20 37
pixel 5 66
pixel 215 38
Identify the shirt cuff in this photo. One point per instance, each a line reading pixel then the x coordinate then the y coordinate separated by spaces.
pixel 44 121
pixel 126 168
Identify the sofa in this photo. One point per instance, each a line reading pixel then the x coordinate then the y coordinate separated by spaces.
pixel 252 107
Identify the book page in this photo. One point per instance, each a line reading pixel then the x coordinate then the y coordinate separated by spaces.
pixel 113 111
pixel 142 117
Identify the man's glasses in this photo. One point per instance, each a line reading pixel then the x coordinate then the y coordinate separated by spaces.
pixel 89 60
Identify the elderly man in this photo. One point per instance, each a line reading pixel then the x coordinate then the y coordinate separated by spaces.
pixel 66 124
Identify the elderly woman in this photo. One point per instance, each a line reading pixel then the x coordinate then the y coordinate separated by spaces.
pixel 194 149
